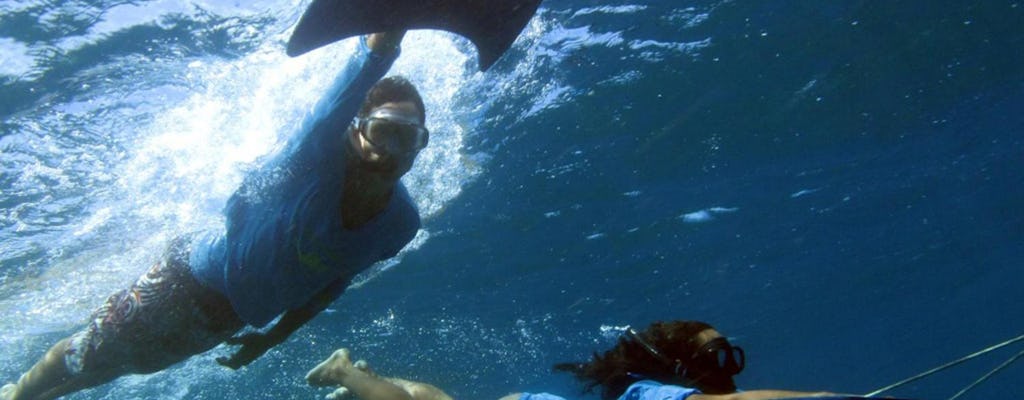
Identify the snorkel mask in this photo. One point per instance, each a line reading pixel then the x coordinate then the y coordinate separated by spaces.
pixel 710 368
pixel 392 133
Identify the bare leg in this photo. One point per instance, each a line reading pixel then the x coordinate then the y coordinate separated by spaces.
pixel 339 370
pixel 50 378
pixel 420 390
pixel 137 330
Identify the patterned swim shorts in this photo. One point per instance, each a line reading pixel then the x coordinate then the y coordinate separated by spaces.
pixel 165 317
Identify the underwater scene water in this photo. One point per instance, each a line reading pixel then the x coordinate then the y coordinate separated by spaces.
pixel 838 186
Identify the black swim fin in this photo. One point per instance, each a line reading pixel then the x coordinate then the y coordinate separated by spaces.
pixel 492 25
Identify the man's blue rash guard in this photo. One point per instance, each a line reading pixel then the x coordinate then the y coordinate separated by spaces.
pixel 283 241
pixel 640 390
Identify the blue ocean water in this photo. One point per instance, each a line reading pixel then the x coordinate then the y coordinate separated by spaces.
pixel 837 186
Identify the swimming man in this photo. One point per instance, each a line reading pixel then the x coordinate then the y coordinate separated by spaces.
pixel 315 214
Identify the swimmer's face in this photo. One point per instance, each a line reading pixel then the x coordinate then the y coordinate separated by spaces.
pixel 389 138
pixel 712 367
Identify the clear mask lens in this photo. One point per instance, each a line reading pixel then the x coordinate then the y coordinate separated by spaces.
pixel 395 137
pixel 393 133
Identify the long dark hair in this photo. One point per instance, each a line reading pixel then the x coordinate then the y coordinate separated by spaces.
pixel 629 361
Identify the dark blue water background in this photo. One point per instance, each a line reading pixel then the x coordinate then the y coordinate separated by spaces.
pixel 838 186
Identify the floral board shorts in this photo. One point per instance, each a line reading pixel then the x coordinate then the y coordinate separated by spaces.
pixel 165 317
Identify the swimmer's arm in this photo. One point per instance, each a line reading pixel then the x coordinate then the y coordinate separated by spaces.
pixel 256 344
pixel 292 320
pixel 320 137
pixel 757 395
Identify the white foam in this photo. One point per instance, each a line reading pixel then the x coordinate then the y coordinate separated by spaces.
pixel 681 47
pixel 626 9
pixel 16 59
pixel 573 39
pixel 707 214
pixel 803 192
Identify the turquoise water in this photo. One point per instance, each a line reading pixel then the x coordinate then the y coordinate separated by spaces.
pixel 835 185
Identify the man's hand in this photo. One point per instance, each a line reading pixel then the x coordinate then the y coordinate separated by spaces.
pixel 253 346
pixel 385 41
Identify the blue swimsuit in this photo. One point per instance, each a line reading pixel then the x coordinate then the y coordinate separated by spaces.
pixel 641 390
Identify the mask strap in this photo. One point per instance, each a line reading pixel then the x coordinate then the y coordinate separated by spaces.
pixel 630 333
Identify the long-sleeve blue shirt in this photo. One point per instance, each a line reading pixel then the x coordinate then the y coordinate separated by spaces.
pixel 284 241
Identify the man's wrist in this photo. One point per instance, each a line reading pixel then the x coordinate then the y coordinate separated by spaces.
pixel 385 41
pixel 274 337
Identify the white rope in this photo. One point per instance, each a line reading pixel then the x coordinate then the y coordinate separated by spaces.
pixel 988 375
pixel 947 365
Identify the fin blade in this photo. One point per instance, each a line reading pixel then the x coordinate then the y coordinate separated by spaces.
pixel 491 25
